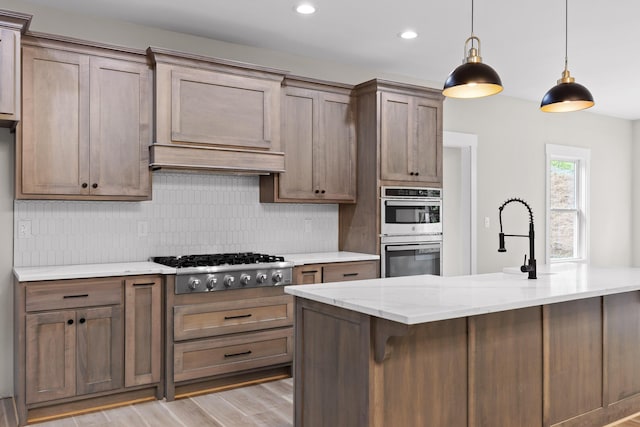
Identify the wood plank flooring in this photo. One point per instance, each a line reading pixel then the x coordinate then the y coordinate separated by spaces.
pixel 265 405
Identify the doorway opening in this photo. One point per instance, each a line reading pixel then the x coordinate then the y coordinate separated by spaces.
pixel 459 204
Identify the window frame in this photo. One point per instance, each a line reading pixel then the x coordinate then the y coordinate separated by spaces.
pixel 582 158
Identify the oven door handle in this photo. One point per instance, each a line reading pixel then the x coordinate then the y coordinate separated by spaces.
pixel 394 248
pixel 417 203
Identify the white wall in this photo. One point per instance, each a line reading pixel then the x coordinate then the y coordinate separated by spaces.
pixel 511 163
pixel 511 137
pixel 635 196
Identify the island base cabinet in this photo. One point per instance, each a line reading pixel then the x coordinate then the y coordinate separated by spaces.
pixel 569 364
pixel 421 383
pixel 505 364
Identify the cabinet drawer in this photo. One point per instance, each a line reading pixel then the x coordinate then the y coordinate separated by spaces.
pixel 340 272
pixel 219 318
pixel 234 353
pixel 54 296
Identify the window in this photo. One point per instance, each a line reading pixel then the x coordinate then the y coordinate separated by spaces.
pixel 567 203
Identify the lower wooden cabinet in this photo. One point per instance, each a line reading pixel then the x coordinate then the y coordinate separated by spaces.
pixel 142 334
pixel 215 339
pixel 82 340
pixel 233 353
pixel 335 272
pixel 567 364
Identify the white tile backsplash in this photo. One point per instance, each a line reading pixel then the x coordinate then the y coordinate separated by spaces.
pixel 189 213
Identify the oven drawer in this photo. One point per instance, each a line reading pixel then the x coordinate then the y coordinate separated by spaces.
pixel 216 356
pixel 343 271
pixel 79 293
pixel 219 318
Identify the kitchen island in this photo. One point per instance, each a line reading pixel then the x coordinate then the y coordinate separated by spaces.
pixel 484 350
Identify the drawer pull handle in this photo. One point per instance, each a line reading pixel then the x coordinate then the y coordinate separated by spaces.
pixel 70 322
pixel 82 320
pixel 242 353
pixel 76 296
pixel 144 284
pixel 240 316
pixel 349 274
pixel 310 272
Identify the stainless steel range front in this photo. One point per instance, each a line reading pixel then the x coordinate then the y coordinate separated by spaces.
pixel 220 272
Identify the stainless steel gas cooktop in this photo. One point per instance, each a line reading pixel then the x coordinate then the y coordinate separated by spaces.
pixel 219 272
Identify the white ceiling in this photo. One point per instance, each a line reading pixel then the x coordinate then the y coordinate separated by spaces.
pixel 522 40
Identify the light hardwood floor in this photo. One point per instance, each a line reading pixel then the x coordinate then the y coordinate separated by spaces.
pixel 265 405
pixel 268 405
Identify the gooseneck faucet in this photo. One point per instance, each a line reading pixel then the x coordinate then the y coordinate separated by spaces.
pixel 529 267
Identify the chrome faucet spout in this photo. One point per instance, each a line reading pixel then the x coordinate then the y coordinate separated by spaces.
pixel 531 266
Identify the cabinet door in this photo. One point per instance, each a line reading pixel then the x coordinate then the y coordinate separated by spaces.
pixel 142 331
pixel 120 127
pixel 55 122
pixel 299 131
pixel 307 274
pixel 9 77
pixel 99 349
pixel 427 145
pixel 622 346
pixel 335 153
pixel 222 109
pixel 344 271
pixel 50 356
pixel 396 122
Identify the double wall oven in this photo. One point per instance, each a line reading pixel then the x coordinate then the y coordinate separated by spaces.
pixel 410 231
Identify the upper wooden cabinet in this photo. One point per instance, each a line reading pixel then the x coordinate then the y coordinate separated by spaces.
pixel 12 25
pixel 86 125
pixel 215 114
pixel 319 141
pixel 411 138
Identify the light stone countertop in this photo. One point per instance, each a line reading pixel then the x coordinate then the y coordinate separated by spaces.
pixel 83 271
pixel 328 257
pixel 419 299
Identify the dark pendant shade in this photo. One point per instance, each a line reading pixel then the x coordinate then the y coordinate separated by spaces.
pixel 566 97
pixel 472 80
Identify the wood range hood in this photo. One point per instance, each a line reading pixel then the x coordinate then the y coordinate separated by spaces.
pixel 215 159
pixel 215 114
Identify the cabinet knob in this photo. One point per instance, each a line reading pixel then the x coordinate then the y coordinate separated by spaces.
pixel 322 191
pixel 82 320
pixel 94 185
pixel 70 321
pixel 417 173
pixel 85 185
pixel 317 191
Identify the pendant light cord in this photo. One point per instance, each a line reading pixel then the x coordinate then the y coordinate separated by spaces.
pixel 566 34
pixel 472 18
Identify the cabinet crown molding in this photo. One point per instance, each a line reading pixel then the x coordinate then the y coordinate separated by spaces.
pixel 15 20
pixel 396 87
pixel 166 56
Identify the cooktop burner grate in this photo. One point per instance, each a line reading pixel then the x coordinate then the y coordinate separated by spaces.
pixel 212 260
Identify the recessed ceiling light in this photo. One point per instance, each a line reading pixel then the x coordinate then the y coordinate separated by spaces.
pixel 305 9
pixel 408 35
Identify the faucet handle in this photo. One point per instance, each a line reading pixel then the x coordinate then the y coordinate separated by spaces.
pixel 524 267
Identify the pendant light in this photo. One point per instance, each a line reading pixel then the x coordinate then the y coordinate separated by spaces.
pixel 567 95
pixel 472 79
